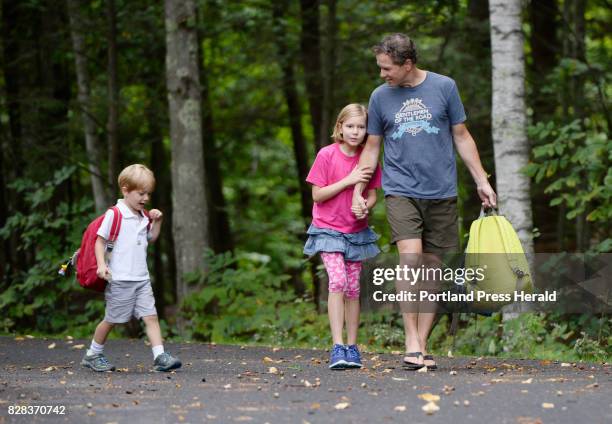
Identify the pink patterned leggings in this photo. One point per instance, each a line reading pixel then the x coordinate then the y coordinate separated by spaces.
pixel 343 275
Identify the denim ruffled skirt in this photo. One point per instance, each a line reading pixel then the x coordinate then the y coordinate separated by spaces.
pixel 355 246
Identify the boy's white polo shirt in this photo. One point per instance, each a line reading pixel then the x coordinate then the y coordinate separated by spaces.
pixel 128 260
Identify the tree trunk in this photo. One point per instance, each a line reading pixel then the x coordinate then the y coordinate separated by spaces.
pixel 510 143
pixel 544 48
pixel 329 73
pixel 295 115
pixel 311 61
pixel 219 226
pixel 112 125
pixel 190 216
pixel 92 141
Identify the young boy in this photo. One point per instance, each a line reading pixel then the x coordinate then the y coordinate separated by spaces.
pixel 129 289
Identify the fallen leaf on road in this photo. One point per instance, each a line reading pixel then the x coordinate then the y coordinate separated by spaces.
pixel 430 408
pixel 453 372
pixel 547 405
pixel 466 403
pixel 479 393
pixel 227 386
pixel 399 408
pixel 528 381
pixel 528 420
pixel 315 405
pixel 450 354
pixel 269 360
pixel 275 349
pixel 429 397
pixel 592 386
pixel 422 369
pixel 272 370
pixel 565 364
pixel 49 369
pixel 79 346
pixel 399 379
pixel 307 383
pixel 342 405
pixel 18 339
pixel 448 389
pixel 387 370
pixel 51 346
pixel 28 336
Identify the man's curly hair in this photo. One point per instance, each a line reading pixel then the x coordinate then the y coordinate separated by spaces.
pixel 398 47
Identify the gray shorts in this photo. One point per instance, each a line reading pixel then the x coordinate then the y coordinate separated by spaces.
pixel 127 298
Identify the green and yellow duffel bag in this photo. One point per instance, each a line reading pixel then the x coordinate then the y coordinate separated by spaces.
pixel 495 254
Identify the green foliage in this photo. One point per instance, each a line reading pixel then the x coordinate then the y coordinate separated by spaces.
pixel 530 335
pixel 239 299
pixel 577 163
pixel 38 298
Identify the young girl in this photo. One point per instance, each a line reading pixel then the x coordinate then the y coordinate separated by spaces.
pixel 343 240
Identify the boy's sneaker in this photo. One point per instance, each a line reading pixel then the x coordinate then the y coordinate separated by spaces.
pixel 166 362
pixel 337 359
pixel 353 357
pixel 97 362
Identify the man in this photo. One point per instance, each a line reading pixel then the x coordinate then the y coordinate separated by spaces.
pixel 419 115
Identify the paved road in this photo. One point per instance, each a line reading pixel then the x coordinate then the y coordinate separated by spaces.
pixel 229 384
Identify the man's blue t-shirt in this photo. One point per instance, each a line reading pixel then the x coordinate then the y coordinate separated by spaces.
pixel 415 123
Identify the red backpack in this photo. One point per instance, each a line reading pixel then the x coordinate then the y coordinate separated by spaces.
pixel 85 257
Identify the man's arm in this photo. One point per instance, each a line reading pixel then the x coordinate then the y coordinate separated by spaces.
pixel 466 147
pixel 368 160
pixel 371 200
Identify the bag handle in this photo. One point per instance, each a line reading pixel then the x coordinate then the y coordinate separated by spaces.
pixel 115 227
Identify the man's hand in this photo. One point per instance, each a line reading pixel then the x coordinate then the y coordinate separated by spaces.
pixel 359 206
pixel 103 272
pixel 487 195
pixel 358 175
pixel 155 215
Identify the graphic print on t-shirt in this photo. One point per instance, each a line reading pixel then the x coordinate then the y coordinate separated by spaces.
pixel 413 117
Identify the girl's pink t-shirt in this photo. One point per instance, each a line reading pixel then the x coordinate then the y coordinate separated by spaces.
pixel 330 166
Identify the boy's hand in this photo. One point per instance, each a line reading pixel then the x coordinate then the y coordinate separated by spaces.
pixel 103 272
pixel 156 215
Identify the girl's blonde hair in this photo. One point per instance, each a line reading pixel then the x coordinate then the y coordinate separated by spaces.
pixel 354 109
pixel 136 177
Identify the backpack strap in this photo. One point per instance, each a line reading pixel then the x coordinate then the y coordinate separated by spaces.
pixel 115 227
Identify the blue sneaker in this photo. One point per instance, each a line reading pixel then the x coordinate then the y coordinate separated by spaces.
pixel 337 359
pixel 353 357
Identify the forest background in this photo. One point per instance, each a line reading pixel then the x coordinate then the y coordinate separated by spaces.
pixel 228 102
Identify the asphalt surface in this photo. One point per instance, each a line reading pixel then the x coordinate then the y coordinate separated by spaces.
pixel 229 384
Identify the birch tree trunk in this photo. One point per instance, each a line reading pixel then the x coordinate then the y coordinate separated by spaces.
pixel 92 141
pixel 190 216
pixel 510 143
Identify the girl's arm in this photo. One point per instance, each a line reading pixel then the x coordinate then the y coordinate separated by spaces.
pixel 371 199
pixel 358 175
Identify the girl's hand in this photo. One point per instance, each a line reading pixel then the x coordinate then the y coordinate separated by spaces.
pixel 155 215
pixel 358 175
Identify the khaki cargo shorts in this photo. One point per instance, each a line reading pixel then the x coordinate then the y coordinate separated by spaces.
pixel 125 299
pixel 434 221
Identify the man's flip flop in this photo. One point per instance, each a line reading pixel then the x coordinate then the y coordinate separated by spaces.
pixel 412 366
pixel 430 367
